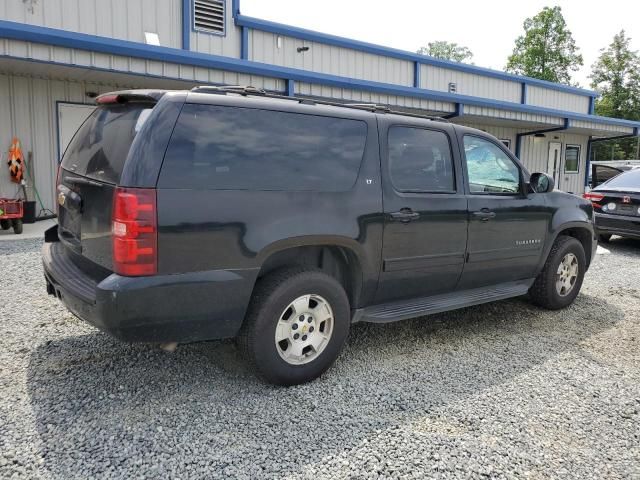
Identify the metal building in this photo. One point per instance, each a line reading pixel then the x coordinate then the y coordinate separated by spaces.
pixel 57 55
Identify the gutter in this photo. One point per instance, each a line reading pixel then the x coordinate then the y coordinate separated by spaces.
pixel 536 132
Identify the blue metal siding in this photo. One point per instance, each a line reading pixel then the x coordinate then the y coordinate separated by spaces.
pixel 301 33
pixel 143 52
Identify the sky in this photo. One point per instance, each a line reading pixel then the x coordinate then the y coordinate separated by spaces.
pixel 489 27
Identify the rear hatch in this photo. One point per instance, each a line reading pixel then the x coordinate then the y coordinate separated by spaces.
pixel 90 172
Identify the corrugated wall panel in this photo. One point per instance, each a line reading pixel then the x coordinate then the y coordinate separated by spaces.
pixel 359 96
pixel 123 19
pixel 436 78
pixel 545 97
pixel 264 47
pixel 510 115
pixel 617 129
pixel 151 68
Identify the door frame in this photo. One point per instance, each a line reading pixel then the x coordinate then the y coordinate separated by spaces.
pixel 559 166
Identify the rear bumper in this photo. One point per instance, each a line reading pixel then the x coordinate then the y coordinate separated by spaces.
pixel 623 225
pixel 164 308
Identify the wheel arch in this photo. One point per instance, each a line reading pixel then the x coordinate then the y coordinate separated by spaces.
pixel 581 231
pixel 339 257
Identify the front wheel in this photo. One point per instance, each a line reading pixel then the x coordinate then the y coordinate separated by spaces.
pixel 559 282
pixel 296 326
pixel 5 224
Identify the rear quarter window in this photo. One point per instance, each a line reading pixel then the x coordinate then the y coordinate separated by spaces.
pixel 231 148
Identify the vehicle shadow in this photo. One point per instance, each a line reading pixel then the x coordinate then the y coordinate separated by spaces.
pixel 129 408
pixel 627 245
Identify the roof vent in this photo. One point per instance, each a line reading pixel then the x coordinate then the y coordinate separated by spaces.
pixel 208 16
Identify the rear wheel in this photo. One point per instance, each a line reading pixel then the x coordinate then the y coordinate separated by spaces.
pixel 17 226
pixel 559 282
pixel 604 238
pixel 5 224
pixel 296 326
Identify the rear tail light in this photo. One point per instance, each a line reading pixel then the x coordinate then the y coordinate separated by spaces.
pixel 594 197
pixel 134 229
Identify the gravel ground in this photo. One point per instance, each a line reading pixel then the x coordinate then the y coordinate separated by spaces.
pixel 497 391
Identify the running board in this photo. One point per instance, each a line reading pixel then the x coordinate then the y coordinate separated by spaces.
pixel 418 307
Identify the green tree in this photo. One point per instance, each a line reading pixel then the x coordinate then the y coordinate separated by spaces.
pixel 616 76
pixel 546 50
pixel 446 51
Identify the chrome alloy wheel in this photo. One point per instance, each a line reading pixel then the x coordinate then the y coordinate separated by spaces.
pixel 567 274
pixel 304 329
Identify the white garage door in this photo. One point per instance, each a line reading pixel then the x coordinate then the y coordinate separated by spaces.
pixel 70 117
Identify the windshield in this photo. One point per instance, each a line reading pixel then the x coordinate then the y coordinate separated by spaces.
pixel 100 147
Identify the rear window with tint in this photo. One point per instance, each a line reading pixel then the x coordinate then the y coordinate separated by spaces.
pixel 101 145
pixel 230 148
pixel 630 179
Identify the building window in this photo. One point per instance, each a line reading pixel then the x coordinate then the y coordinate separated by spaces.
pixel 506 142
pixel 208 16
pixel 572 159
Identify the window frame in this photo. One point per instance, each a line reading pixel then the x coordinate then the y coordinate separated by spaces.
pixel 501 147
pixel 452 160
pixel 506 142
pixel 566 147
pixel 197 29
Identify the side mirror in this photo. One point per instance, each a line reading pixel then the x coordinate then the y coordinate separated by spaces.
pixel 541 183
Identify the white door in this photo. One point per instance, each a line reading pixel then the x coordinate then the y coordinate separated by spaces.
pixel 70 117
pixel 553 163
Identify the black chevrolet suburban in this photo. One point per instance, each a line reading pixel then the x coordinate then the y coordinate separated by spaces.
pixel 234 213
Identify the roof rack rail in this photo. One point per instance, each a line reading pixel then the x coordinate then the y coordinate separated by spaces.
pixel 370 107
pixel 373 107
pixel 241 89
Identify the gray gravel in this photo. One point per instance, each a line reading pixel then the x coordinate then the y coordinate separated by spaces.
pixel 498 391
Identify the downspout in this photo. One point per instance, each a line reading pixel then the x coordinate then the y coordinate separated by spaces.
pixel 536 132
pixel 459 112
pixel 186 24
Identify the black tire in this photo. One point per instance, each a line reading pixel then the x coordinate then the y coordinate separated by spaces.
pixel 543 292
pixel 5 224
pixel 271 297
pixel 604 238
pixel 17 226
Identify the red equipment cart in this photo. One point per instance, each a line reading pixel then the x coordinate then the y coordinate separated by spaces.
pixel 11 212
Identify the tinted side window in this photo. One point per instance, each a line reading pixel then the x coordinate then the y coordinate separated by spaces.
pixel 420 160
pixel 214 147
pixel 490 170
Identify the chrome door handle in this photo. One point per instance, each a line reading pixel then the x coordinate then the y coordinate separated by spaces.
pixel 484 215
pixel 405 215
